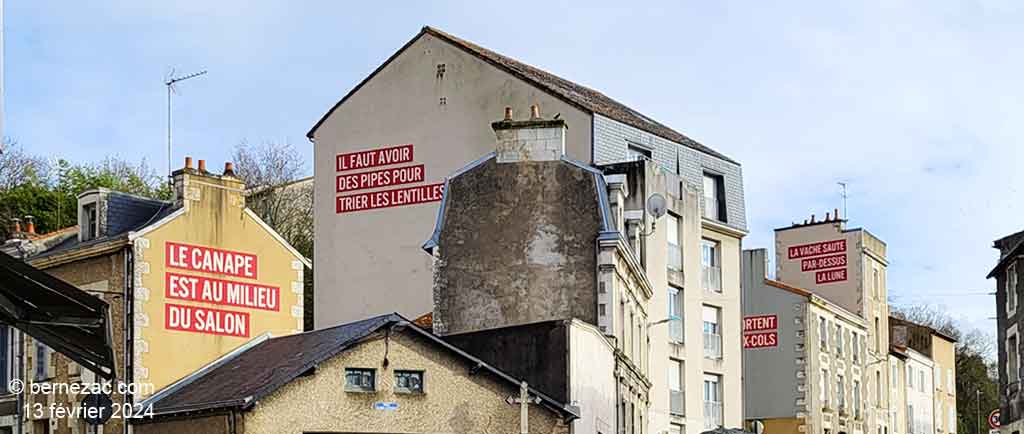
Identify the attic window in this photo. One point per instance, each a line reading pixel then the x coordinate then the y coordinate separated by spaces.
pixel 89 223
pixel 360 380
pixel 409 381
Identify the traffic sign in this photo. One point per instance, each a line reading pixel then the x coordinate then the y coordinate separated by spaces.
pixel 993 419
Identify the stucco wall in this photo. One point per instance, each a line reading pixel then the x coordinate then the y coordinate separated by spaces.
pixel 517 246
pixel 591 379
pixel 454 401
pixel 201 425
pixel 370 262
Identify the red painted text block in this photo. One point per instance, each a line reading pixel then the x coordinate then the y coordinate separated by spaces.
pixel 210 260
pixel 824 262
pixel 817 249
pixel 830 276
pixel 380 178
pixel 374 158
pixel 760 323
pixel 206 321
pixel 223 292
pixel 389 198
pixel 761 340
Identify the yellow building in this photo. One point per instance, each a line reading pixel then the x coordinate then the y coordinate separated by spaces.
pixel 188 281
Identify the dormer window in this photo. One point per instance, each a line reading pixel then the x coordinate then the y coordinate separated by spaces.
pixel 89 224
pixel 89 215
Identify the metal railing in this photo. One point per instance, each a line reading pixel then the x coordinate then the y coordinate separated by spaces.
pixel 677 402
pixel 675 330
pixel 712 346
pixel 712 414
pixel 712 278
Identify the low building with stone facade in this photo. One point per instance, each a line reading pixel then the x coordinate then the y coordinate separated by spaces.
pixel 187 281
pixel 379 375
pixel 804 357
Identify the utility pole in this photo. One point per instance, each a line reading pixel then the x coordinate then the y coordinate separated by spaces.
pixel 977 416
pixel 843 194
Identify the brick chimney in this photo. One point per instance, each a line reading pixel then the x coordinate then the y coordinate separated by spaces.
pixel 30 225
pixel 533 139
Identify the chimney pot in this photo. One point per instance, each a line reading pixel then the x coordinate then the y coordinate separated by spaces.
pixel 188 162
pixel 813 220
pixel 534 111
pixel 17 225
pixel 828 217
pixel 202 166
pixel 508 113
pixel 837 214
pixel 229 169
pixel 30 225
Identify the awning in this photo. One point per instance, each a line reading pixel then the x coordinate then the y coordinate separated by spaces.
pixel 54 312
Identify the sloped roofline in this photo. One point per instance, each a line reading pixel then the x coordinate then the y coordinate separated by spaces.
pixel 475 51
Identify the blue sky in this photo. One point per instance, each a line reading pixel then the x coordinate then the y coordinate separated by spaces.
pixel 915 105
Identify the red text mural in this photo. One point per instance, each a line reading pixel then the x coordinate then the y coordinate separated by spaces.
pixel 209 260
pixel 380 178
pixel 374 158
pixel 204 320
pixel 223 292
pixel 760 331
pixel 390 198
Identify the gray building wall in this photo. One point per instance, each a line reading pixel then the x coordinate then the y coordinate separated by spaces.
pixel 517 245
pixel 769 374
pixel 612 139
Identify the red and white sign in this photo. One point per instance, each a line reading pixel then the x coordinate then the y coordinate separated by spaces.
pixel 760 331
pixel 223 292
pixel 760 323
pixel 390 198
pixel 817 249
pixel 993 419
pixel 374 158
pixel 824 262
pixel 209 260
pixel 761 340
pixel 830 276
pixel 380 178
pixel 207 321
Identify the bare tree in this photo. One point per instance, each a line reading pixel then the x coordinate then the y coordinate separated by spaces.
pixel 18 167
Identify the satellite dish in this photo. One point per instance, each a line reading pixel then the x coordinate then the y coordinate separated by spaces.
pixel 656 205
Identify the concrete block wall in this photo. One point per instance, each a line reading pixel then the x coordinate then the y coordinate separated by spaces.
pixel 612 139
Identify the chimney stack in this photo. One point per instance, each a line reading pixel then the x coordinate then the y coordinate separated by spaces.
pixel 534 139
pixel 188 162
pixel 30 225
pixel 17 225
pixel 229 169
pixel 837 214
pixel 202 166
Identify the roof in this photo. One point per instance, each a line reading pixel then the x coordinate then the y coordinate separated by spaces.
pixel 583 97
pixel 54 312
pixel 241 381
pixel 930 329
pixel 73 243
pixel 1005 260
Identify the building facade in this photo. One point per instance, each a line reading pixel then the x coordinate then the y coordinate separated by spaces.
pixel 1008 274
pixel 804 357
pixel 848 268
pixel 188 280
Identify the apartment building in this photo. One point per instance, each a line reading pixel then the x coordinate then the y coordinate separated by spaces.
pixel 804 357
pixel 848 268
pixel 924 360
pixel 1008 273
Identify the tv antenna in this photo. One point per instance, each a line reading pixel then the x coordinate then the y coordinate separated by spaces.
pixel 169 82
pixel 842 193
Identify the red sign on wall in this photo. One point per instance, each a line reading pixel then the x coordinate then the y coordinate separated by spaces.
pixel 817 249
pixel 761 340
pixel 390 198
pixel 209 260
pixel 374 158
pixel 830 276
pixel 824 262
pixel 760 323
pixel 380 178
pixel 204 320
pixel 223 292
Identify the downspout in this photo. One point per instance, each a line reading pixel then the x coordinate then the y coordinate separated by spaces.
pixel 128 329
pixel 21 375
pixel 232 423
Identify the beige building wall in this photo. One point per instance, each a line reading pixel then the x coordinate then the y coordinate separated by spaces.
pixel 897 394
pixel 826 363
pixel 454 401
pixel 944 357
pixel 371 262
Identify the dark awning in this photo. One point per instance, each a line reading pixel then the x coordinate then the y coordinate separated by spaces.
pixel 54 312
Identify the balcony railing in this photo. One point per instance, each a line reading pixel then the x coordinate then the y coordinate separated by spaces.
pixel 677 402
pixel 712 346
pixel 712 414
pixel 712 278
pixel 675 330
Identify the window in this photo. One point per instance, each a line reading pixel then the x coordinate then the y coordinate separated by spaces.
pixel 840 393
pixel 714 206
pixel 637 153
pixel 1011 288
pixel 42 362
pixel 409 381
pixel 878 387
pixel 950 382
pixel 910 418
pixel 675 254
pixel 360 380
pixel 951 418
pixel 910 377
pixel 675 429
pixel 711 271
pixel 895 376
pixel 856 399
pixel 937 376
pixel 920 380
pixel 675 387
pixel 712 333
pixel 823 333
pixel 878 345
pixel 823 386
pixel 839 339
pixel 712 401
pixel 874 282
pixel 675 315
pixel 855 346
pixel 90 226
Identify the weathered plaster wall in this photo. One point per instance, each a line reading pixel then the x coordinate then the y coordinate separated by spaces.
pixel 517 246
pixel 203 425
pixel 454 400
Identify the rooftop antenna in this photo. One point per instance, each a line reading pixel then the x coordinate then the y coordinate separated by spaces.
pixel 842 186
pixel 169 82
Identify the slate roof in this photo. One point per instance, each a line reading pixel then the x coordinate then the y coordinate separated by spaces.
pixel 123 229
pixel 585 98
pixel 254 373
pixel 1006 259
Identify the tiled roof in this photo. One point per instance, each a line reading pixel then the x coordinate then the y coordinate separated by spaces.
pixel 585 98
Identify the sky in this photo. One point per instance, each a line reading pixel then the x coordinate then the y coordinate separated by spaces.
pixel 915 105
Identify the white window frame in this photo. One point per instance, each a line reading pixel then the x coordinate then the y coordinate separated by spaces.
pixel 713 206
pixel 1011 288
pixel 839 339
pixel 1013 358
pixel 711 264
pixel 674 259
pixel 675 315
